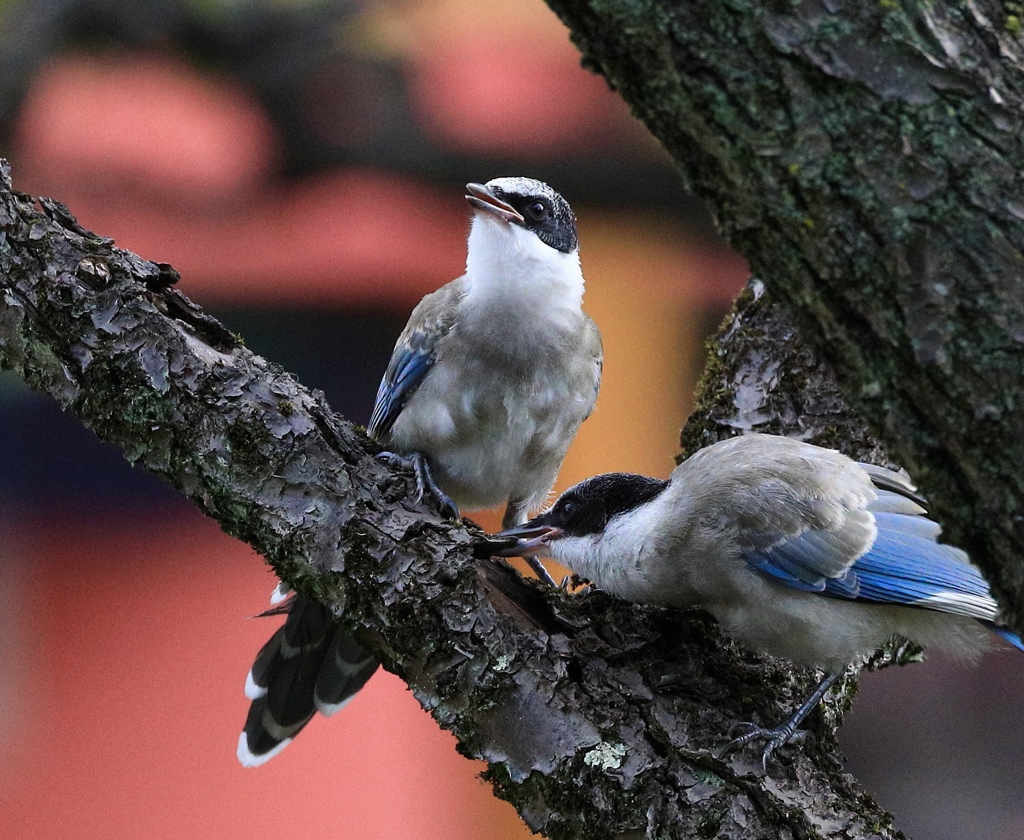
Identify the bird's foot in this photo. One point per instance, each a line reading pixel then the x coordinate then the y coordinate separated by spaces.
pixel 424 480
pixel 746 733
pixel 579 591
pixel 785 732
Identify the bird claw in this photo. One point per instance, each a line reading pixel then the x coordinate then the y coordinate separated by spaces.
pixel 783 733
pixel 393 459
pixel 746 733
pixel 580 591
pixel 745 730
pixel 424 480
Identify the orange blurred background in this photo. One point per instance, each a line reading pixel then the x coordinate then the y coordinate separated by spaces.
pixel 310 221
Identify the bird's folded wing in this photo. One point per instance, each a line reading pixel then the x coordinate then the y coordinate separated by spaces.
pixel 902 564
pixel 414 355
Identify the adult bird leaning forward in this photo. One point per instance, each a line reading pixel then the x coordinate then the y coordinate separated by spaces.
pixel 485 390
pixel 796 550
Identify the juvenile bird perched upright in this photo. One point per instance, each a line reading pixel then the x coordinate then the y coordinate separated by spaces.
pixel 485 390
pixel 798 551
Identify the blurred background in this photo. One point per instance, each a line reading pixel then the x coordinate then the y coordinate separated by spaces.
pixel 302 164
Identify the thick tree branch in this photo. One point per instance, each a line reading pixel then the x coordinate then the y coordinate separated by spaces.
pixel 599 719
pixel 866 158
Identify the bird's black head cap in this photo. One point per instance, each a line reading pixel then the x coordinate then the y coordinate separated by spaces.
pixel 544 211
pixel 588 507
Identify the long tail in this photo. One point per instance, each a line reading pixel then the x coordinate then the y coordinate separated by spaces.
pixel 309 665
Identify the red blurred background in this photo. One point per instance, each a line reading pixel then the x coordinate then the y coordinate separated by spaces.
pixel 308 185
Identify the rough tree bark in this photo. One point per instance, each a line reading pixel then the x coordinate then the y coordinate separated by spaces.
pixel 873 205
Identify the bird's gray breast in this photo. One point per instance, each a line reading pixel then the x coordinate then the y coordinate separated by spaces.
pixel 495 417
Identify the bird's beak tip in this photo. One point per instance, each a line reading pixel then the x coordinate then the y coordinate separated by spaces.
pixel 481 199
pixel 526 539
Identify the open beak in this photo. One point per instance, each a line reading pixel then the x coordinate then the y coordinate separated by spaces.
pixel 480 198
pixel 527 539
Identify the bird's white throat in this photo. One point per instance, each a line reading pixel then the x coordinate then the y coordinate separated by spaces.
pixel 508 265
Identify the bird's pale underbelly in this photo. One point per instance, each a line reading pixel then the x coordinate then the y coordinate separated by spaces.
pixel 483 451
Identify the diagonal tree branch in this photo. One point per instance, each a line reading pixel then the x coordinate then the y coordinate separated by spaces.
pixel 598 718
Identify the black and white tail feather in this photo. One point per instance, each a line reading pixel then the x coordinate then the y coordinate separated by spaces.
pixel 309 665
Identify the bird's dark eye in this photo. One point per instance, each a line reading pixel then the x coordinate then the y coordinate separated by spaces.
pixel 537 210
pixel 568 507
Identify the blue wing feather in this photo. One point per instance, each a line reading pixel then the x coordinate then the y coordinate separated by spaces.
pixel 786 572
pixel 814 559
pixel 405 372
pixel 903 568
pixel 901 523
pixel 847 587
pixel 1007 634
pixel 915 558
pixel 903 565
pixel 414 355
